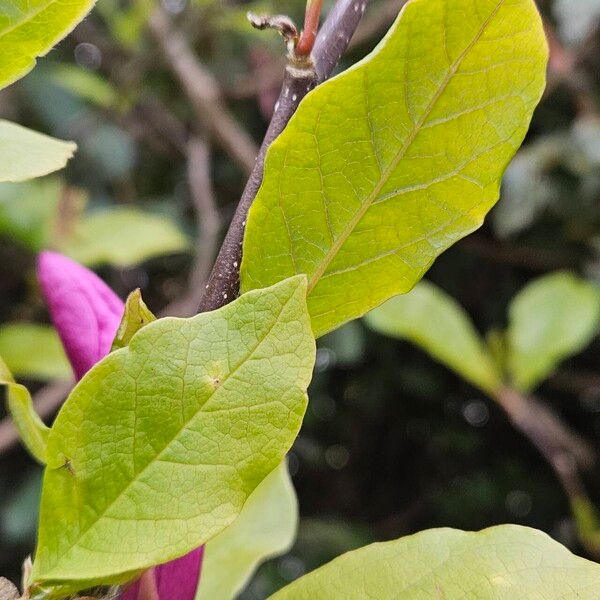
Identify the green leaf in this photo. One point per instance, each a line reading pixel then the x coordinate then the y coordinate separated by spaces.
pixel 552 318
pixel 30 28
pixel 266 527
pixel 25 154
pixel 34 351
pixel 86 84
pixel 502 563
pixel 135 316
pixel 430 318
pixel 163 441
pixel 28 210
pixel 32 430
pixel 123 237
pixel 385 166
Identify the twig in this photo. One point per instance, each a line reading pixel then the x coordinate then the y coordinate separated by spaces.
pixel 208 221
pixel 330 43
pixel 46 402
pixel 203 92
pixel 311 25
pixel 544 429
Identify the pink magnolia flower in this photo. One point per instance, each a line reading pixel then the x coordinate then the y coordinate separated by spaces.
pixel 87 314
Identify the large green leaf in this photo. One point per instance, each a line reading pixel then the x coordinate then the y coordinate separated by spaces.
pixel 25 154
pixel 161 443
pixel 433 320
pixel 266 527
pixel 500 563
pixel 552 318
pixel 123 237
pixel 385 166
pixel 30 28
pixel 34 351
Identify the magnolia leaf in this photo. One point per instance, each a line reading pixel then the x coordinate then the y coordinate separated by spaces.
pixel 86 84
pixel 135 316
pixel 32 430
pixel 266 527
pixel 503 563
pixel 549 320
pixel 28 210
pixel 385 166
pixel 430 318
pixel 163 441
pixel 25 154
pixel 30 28
pixel 123 237
pixel 34 351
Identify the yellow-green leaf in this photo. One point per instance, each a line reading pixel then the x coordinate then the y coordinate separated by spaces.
pixel 123 237
pixel 135 316
pixel 34 351
pixel 507 562
pixel 32 430
pixel 161 443
pixel 25 154
pixel 549 320
pixel 385 166
pixel 266 527
pixel 30 28
pixel 430 318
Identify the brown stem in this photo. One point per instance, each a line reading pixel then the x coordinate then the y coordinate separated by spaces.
pixel 544 429
pixel 331 41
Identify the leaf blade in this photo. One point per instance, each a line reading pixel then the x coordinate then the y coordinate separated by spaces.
pixel 32 430
pixel 26 154
pixel 501 562
pixel 553 317
pixel 266 527
pixel 29 29
pixel 260 342
pixel 431 319
pixel 388 164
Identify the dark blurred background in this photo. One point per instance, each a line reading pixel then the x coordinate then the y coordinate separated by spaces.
pixel 392 442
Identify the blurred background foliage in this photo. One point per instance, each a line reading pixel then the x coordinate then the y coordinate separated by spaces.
pixel 393 442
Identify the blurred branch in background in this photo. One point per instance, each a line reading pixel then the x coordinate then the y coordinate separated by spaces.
pixel 208 221
pixel 203 92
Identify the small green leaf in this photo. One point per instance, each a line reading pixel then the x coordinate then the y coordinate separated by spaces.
pixel 503 563
pixel 266 527
pixel 549 320
pixel 163 441
pixel 430 318
pixel 32 430
pixel 385 166
pixel 34 351
pixel 28 210
pixel 30 28
pixel 135 316
pixel 86 84
pixel 25 154
pixel 123 237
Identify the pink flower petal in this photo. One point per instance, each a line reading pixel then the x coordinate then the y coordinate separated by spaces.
pixel 85 311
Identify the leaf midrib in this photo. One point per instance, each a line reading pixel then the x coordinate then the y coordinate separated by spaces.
pixel 210 397
pixel 27 17
pixel 339 242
